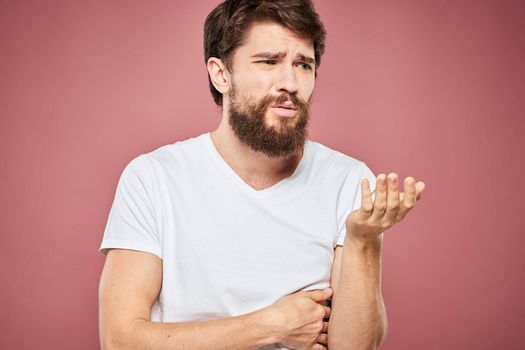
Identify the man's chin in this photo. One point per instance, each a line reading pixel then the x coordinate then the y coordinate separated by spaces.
pixel 275 137
pixel 280 124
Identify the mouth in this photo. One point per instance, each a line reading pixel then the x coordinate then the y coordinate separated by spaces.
pixel 284 111
pixel 285 105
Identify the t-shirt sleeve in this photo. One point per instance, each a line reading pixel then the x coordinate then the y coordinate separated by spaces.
pixel 350 196
pixel 131 223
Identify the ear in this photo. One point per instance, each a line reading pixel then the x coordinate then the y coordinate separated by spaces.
pixel 218 74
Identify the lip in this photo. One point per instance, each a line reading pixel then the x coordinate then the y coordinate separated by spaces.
pixel 287 105
pixel 284 112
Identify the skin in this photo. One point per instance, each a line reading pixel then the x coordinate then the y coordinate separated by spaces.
pixel 358 319
pixel 256 77
pixel 390 207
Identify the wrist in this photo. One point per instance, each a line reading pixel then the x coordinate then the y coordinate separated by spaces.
pixel 364 242
pixel 265 319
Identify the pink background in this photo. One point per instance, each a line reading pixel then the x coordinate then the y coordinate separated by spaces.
pixel 432 89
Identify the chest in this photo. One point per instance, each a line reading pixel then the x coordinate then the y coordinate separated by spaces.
pixel 226 253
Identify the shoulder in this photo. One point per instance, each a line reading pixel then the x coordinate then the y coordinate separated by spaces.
pixel 171 156
pixel 335 161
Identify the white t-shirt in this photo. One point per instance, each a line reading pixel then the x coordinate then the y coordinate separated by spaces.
pixel 229 249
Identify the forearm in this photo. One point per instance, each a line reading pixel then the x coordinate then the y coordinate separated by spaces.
pixel 358 318
pixel 243 332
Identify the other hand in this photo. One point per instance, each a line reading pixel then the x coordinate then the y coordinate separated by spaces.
pixel 389 207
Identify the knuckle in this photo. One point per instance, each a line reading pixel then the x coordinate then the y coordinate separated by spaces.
pixel 401 215
pixel 393 180
pixel 328 310
pixel 367 207
pixel 321 312
pixel 380 206
pixel 393 205
pixel 322 338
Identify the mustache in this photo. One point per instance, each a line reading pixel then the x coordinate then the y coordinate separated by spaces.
pixel 285 96
pixel 301 105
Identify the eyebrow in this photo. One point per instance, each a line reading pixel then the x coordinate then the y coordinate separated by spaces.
pixel 279 55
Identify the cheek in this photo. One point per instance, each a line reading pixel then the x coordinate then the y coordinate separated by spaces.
pixel 261 83
pixel 253 84
pixel 308 90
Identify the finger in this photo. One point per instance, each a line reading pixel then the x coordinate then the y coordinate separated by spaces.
pixel 318 346
pixel 318 295
pixel 322 338
pixel 380 201
pixel 325 327
pixel 420 186
pixel 327 311
pixel 409 198
pixel 367 203
pixel 392 200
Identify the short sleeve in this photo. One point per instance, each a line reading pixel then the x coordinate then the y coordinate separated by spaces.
pixel 131 223
pixel 349 198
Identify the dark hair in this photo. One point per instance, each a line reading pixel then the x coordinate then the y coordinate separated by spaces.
pixel 226 26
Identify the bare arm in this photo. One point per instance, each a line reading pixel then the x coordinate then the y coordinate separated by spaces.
pixel 358 319
pixel 129 285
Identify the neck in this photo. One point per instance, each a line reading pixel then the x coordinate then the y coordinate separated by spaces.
pixel 251 165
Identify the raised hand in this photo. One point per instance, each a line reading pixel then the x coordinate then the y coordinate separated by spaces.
pixel 390 206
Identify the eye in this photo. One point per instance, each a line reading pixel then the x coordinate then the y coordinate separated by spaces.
pixel 269 62
pixel 305 66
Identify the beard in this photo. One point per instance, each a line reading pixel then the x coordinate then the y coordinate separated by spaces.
pixel 247 118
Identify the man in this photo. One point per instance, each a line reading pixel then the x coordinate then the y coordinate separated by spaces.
pixel 229 240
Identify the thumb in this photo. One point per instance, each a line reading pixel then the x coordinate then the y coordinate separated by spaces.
pixel 319 294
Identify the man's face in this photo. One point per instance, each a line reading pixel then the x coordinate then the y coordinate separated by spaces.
pixel 273 76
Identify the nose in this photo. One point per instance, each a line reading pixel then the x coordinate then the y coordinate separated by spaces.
pixel 287 80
